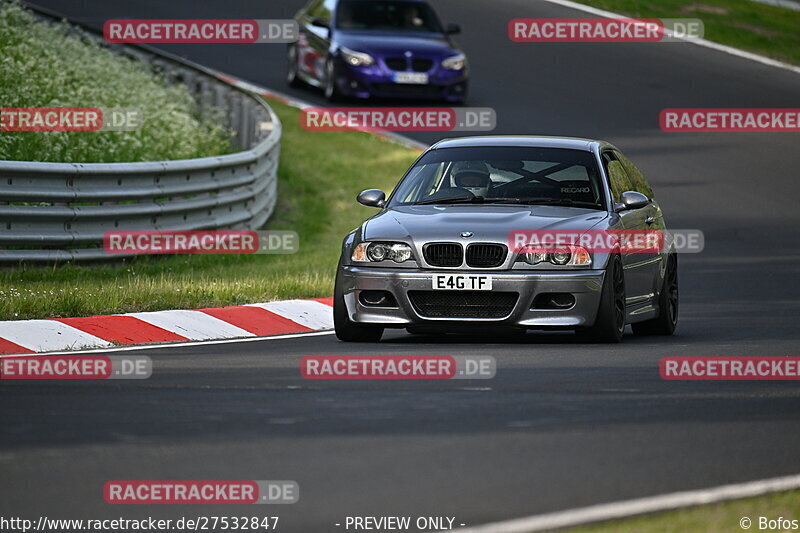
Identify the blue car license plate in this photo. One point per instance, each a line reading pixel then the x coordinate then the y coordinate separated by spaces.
pixel 411 78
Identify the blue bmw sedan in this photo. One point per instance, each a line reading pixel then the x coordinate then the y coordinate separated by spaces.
pixel 382 48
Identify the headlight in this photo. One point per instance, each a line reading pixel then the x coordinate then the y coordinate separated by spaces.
pixel 356 59
pixel 375 252
pixel 561 255
pixel 456 62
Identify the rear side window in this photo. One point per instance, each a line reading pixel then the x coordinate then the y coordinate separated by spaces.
pixel 618 178
pixel 637 179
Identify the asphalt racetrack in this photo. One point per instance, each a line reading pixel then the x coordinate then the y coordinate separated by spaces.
pixel 562 424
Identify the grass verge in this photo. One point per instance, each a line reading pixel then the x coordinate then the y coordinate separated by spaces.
pixel 320 175
pixel 764 29
pixel 717 518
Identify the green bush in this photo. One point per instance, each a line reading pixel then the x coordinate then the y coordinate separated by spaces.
pixel 55 65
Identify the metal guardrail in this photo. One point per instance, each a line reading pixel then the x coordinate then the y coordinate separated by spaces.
pixel 60 211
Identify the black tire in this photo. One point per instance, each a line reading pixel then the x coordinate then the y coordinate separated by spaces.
pixel 610 322
pixel 332 92
pixel 346 329
pixel 291 67
pixel 667 319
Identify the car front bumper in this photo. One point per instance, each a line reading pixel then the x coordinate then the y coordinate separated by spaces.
pixel 378 81
pixel 584 285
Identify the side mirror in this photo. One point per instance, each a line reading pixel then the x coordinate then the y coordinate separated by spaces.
pixel 372 198
pixel 452 29
pixel 322 23
pixel 631 200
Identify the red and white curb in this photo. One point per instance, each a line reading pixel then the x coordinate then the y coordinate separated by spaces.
pixel 241 321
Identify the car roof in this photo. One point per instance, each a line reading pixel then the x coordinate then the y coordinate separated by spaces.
pixel 534 141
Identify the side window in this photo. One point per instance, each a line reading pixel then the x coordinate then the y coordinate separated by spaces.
pixel 617 176
pixel 638 181
pixel 425 180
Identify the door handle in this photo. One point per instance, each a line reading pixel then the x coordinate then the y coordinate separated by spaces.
pixel 650 220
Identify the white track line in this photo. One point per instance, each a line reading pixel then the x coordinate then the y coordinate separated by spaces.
pixel 699 42
pixel 308 313
pixel 624 509
pixel 176 344
pixel 42 335
pixel 194 325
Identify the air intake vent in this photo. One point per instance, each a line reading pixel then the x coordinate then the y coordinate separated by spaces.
pixel 444 254
pixel 463 304
pixel 395 89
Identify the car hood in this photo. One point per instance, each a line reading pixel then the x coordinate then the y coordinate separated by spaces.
pixel 488 223
pixel 396 44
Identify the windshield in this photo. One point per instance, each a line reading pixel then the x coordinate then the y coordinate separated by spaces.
pixel 386 16
pixel 503 175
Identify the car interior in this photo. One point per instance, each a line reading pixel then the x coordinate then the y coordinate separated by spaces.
pixel 525 180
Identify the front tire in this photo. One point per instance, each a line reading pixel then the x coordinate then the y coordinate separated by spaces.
pixel 346 329
pixel 291 67
pixel 667 319
pixel 332 92
pixel 610 322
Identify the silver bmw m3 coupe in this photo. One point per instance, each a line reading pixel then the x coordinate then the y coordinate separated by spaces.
pixel 511 232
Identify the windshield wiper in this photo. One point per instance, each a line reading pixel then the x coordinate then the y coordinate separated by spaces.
pixel 561 201
pixel 518 201
pixel 455 200
pixel 541 201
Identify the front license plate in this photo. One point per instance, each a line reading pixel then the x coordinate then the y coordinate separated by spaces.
pixel 462 282
pixel 412 78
